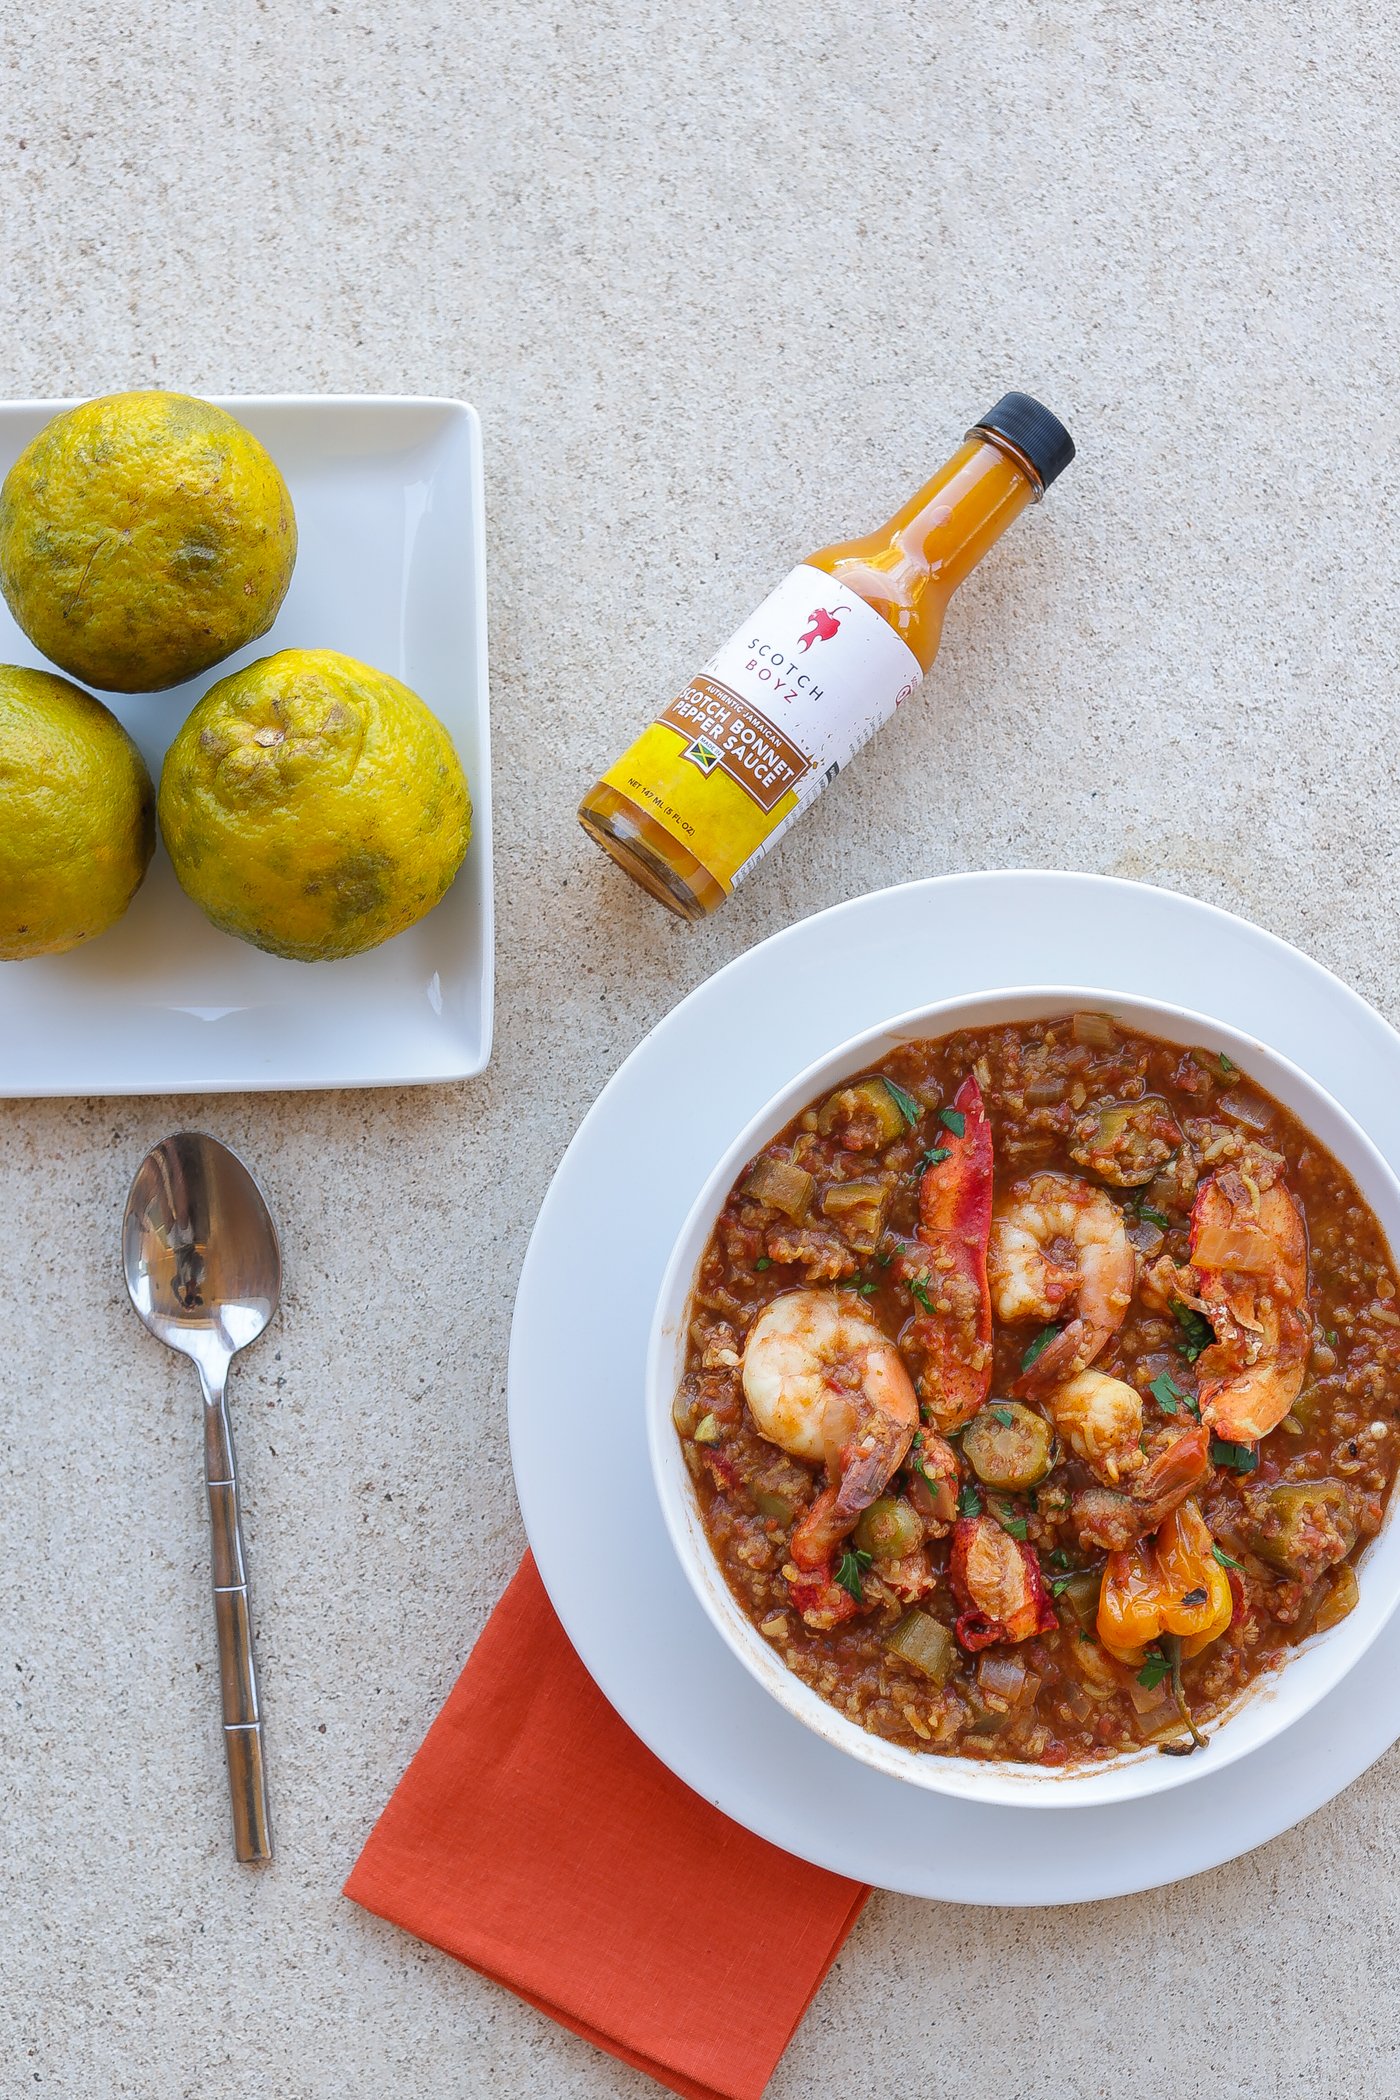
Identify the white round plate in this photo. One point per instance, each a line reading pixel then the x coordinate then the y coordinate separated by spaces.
pixel 578 1360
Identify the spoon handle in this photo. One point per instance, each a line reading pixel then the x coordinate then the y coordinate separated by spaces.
pixel 243 1736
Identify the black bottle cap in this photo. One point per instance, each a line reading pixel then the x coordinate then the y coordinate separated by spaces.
pixel 1041 437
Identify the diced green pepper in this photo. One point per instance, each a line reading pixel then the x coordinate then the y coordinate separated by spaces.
pixel 859 1208
pixel 707 1430
pixel 781 1185
pixel 925 1644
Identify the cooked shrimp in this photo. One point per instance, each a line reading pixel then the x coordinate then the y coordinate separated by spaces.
pixel 1249 1254
pixel 1109 1518
pixel 1056 1240
pixel 1100 1418
pixel 825 1383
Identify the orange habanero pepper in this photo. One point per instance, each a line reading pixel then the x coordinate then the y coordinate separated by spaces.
pixel 1167 1584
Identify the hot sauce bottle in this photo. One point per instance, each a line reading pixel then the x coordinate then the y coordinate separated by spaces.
pixel 716 780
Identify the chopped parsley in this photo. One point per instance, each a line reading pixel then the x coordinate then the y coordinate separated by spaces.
pixel 861 1285
pixel 1226 1560
pixel 1332 1337
pixel 908 1107
pixel 1196 1331
pixel 1240 1458
pixel 1009 1521
pixel 953 1119
pixel 1041 1343
pixel 918 1288
pixel 969 1501
pixel 916 1460
pixel 848 1572
pixel 1060 1583
pixel 1004 1416
pixel 1058 1558
pixel 765 1261
pixel 1167 1393
pixel 1149 1216
pixel 1227 1066
pixel 935 1156
pixel 1155 1667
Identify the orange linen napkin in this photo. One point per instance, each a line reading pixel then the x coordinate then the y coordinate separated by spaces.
pixel 536 1839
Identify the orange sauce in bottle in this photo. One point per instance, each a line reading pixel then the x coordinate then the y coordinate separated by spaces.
pixel 706 790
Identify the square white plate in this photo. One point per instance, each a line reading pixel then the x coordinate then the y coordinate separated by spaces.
pixel 390 569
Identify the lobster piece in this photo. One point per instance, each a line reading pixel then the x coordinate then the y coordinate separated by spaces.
pixel 1249 1251
pixel 952 1332
pixel 997 1581
pixel 821 1599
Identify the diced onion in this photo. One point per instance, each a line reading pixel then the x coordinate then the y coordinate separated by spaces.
pixel 1005 1677
pixel 1250 1109
pixel 1154 1708
pixel 1094 1031
pixel 1241 1247
pixel 925 1643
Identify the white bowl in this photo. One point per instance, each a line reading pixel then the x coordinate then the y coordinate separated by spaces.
pixel 1268 1706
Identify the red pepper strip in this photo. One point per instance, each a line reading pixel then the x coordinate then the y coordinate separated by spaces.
pixel 954 1331
pixel 998 1582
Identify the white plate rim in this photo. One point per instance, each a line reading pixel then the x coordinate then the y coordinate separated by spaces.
pixel 1254 1800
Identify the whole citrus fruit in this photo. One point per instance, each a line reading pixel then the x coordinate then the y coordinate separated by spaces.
pixel 313 806
pixel 144 537
pixel 77 815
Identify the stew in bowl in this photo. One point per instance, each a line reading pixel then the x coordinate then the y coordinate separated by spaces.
pixel 1025 1391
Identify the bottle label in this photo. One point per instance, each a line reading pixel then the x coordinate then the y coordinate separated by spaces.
pixel 774 715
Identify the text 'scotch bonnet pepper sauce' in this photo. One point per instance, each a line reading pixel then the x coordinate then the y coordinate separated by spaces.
pixel 715 781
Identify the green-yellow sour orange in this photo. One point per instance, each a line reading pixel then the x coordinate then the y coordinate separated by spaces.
pixel 77 815
pixel 314 806
pixel 143 538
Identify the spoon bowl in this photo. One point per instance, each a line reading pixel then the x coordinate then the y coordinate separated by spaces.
pixel 200 1249
pixel 204 1271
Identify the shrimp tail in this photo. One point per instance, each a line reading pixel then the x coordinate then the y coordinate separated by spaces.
pixel 820 1533
pixel 1174 1474
pixel 867 1466
pixel 955 1226
pixel 1108 1518
pixel 1060 1360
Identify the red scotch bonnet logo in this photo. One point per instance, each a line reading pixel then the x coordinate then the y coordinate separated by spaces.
pixel 824 628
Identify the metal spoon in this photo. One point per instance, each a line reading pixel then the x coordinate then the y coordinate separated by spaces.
pixel 204 1271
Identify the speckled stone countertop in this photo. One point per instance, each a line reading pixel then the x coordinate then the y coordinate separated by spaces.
pixel 724 282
